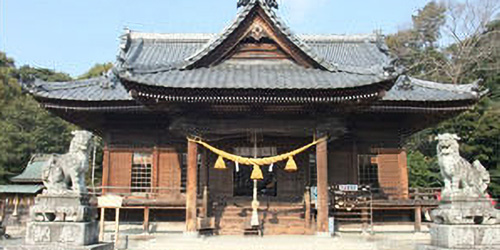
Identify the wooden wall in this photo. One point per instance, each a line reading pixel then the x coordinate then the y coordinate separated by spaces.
pixel 220 182
pixel 392 172
pixel 291 185
pixel 166 170
pixel 117 170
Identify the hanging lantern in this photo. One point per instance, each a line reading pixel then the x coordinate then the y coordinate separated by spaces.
pixel 220 164
pixel 256 173
pixel 291 166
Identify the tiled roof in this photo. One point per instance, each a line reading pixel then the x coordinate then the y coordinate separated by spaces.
pixel 166 60
pixel 20 189
pixel 33 171
pixel 412 89
pixel 406 88
pixel 103 88
pixel 255 75
pixel 152 52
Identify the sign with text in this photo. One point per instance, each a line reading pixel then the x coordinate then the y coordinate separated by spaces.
pixel 348 187
pixel 110 201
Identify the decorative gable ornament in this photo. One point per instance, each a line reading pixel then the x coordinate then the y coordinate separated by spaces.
pixel 270 3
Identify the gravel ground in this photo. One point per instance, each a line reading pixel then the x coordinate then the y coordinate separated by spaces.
pixel 171 238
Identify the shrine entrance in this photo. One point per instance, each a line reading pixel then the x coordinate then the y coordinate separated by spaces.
pixel 243 184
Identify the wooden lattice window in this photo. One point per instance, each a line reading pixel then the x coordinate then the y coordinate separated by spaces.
pixel 141 172
pixel 367 171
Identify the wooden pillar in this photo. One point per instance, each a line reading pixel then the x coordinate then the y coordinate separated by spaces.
pixel 117 226
pixel 145 224
pixel 418 218
pixel 105 170
pixel 322 178
pixel 204 183
pixel 101 224
pixel 307 199
pixel 156 170
pixel 364 219
pixel 192 165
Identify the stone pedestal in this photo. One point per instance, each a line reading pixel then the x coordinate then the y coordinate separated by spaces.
pixel 455 237
pixel 64 207
pixel 99 246
pixel 70 233
pixel 62 222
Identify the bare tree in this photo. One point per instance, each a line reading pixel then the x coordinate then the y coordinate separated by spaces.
pixel 472 44
pixel 450 41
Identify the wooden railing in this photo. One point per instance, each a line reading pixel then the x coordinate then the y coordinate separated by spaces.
pixel 133 191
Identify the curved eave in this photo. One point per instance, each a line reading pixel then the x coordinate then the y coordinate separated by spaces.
pixel 283 75
pixel 144 92
pixel 422 107
pixel 90 106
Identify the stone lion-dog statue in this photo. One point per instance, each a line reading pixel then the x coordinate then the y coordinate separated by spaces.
pixel 464 198
pixel 65 174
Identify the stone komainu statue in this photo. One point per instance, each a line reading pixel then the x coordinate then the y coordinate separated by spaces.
pixel 66 173
pixel 460 177
pixel 464 199
pixel 66 198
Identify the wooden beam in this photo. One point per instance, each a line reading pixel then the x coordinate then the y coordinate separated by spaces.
pixel 322 178
pixel 192 165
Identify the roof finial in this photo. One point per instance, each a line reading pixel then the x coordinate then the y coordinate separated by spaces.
pixel 270 3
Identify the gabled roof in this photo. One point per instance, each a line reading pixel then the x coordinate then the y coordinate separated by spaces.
pixel 33 171
pixel 243 20
pixel 192 60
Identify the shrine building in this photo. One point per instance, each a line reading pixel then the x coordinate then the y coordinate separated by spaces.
pixel 176 105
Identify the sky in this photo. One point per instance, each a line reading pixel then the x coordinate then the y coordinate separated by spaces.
pixel 73 35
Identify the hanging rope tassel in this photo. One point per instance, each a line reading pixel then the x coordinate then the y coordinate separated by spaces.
pixel 256 173
pixel 220 164
pixel 291 166
pixel 271 167
pixel 237 165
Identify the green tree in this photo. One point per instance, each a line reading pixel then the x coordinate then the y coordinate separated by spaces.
pixel 423 171
pixel 97 70
pixel 415 48
pixel 473 54
pixel 25 128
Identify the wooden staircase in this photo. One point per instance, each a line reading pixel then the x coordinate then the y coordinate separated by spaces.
pixel 276 218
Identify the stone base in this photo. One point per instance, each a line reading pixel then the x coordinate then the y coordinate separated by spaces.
pixel 100 246
pixel 68 233
pixel 463 237
pixel 426 247
pixel 64 207
pixel 460 212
